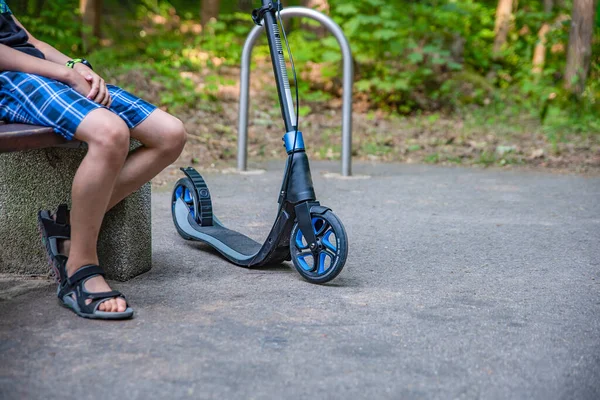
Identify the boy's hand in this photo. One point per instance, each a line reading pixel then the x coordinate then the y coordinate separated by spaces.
pixel 99 91
pixel 77 82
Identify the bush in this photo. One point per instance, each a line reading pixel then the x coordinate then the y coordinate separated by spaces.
pixel 410 56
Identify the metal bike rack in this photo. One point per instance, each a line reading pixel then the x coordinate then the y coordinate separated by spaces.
pixel 347 86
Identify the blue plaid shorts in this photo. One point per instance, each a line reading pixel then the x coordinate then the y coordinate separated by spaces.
pixel 33 99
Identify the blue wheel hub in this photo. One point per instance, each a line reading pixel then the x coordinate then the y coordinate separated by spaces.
pixel 182 192
pixel 322 258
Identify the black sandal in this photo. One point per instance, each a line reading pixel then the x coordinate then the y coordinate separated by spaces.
pixel 72 294
pixel 54 227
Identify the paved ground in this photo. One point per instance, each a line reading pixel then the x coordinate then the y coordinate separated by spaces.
pixel 460 283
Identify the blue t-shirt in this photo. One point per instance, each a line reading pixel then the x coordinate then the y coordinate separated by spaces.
pixel 12 35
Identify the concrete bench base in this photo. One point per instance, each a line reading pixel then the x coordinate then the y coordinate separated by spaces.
pixel 41 179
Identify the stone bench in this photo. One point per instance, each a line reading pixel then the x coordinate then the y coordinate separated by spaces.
pixel 36 172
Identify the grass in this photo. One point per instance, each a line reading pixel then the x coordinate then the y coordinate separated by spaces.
pixel 496 135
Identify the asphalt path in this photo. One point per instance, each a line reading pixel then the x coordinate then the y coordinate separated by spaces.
pixel 460 283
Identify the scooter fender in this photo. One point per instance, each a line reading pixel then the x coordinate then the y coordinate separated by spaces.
pixel 319 210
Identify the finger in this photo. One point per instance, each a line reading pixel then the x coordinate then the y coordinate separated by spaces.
pixel 89 78
pixel 105 91
pixel 106 97
pixel 101 93
pixel 100 96
pixel 95 89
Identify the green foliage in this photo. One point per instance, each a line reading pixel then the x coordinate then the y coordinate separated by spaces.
pixel 57 22
pixel 408 51
pixel 437 54
pixel 410 56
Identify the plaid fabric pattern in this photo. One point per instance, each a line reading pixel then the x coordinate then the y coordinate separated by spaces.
pixel 33 99
pixel 4 7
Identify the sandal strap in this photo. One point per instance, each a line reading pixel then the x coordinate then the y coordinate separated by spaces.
pixel 75 285
pixel 96 298
pixel 61 263
pixel 103 295
pixel 83 273
pixel 62 214
pixel 56 230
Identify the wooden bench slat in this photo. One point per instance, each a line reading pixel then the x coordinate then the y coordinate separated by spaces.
pixel 19 137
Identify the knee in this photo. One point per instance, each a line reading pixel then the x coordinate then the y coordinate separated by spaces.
pixel 174 138
pixel 111 139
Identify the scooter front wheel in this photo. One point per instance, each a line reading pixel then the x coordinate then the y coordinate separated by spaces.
pixel 324 262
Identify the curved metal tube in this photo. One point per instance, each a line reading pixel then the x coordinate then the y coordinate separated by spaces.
pixel 335 29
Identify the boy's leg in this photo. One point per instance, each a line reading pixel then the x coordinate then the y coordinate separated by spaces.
pixel 34 99
pixel 107 137
pixel 163 137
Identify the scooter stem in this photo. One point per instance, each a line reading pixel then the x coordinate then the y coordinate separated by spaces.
pixel 279 68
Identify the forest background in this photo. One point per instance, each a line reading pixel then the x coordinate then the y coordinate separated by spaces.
pixel 480 82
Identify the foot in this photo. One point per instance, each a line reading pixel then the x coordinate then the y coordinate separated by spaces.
pixel 97 284
pixel 64 246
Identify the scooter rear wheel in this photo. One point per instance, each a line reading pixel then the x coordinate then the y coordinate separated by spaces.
pixel 184 189
pixel 325 262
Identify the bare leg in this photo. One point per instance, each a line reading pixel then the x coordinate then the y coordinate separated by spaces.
pixel 163 137
pixel 107 137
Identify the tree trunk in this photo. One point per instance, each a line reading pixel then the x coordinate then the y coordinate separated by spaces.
pixel 539 53
pixel 209 10
pixel 580 45
pixel 91 12
pixel 38 7
pixel 503 17
pixel 245 5
pixel 319 5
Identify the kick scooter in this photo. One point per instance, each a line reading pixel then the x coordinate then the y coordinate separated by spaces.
pixel 305 232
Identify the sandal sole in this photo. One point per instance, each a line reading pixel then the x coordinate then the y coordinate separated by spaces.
pixel 127 314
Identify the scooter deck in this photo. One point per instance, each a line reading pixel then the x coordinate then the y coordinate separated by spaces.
pixel 235 246
pixel 231 240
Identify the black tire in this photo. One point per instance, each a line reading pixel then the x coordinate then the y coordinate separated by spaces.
pixel 179 191
pixel 321 271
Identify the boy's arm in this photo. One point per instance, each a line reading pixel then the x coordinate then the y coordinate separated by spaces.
pixel 98 93
pixel 50 52
pixel 14 60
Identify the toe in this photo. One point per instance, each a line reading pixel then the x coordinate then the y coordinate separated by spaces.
pixel 107 305
pixel 121 304
pixel 113 305
pixel 102 306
